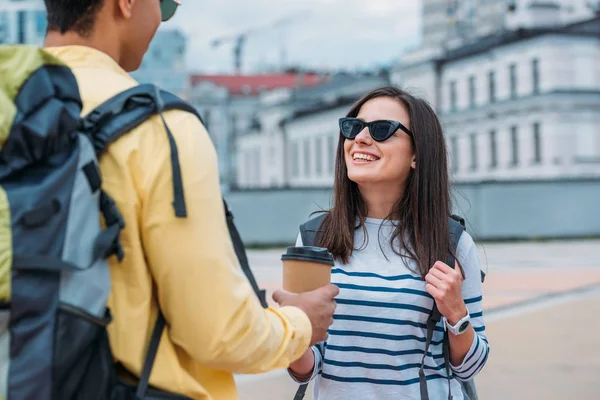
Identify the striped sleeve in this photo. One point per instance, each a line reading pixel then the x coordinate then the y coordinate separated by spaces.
pixel 477 355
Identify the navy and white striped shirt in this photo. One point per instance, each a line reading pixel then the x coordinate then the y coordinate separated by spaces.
pixel 376 342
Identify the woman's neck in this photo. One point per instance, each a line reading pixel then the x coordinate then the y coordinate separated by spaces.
pixel 380 199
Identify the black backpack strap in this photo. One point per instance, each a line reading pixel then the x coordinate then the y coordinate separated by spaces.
pixel 240 251
pixel 144 382
pixel 128 109
pixel 310 230
pixel 456 226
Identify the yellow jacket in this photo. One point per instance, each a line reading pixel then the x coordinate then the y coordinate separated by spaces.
pixel 215 324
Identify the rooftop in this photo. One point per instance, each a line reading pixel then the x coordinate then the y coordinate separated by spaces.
pixel 254 84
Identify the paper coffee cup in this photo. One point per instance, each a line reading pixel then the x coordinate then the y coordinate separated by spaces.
pixel 306 268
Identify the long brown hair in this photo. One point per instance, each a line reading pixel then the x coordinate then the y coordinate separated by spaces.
pixel 422 212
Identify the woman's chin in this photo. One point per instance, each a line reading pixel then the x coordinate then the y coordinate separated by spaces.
pixel 364 177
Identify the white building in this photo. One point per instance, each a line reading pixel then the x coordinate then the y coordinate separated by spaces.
pixel 22 22
pixel 164 63
pixel 520 104
pixel 230 105
pixel 293 145
pixel 452 23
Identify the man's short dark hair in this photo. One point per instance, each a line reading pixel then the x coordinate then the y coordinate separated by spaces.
pixel 72 15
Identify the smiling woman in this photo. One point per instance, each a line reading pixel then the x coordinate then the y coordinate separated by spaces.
pixel 389 233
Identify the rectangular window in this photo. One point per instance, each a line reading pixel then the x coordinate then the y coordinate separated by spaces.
pixel 257 166
pixel 318 156
pixel 513 81
pixel 248 168
pixel 453 96
pixel 306 157
pixel 535 70
pixel 331 153
pixel 537 144
pixel 472 91
pixel 473 140
pixel 207 120
pixel 514 142
pixel 41 23
pixel 294 153
pixel 455 155
pixel 492 86
pixel 493 150
pixel 21 27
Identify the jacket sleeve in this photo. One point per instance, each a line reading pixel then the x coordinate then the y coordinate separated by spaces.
pixel 211 309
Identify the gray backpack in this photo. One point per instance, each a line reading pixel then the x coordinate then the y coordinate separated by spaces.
pixel 310 231
pixel 54 277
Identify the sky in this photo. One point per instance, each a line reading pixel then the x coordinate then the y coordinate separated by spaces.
pixel 319 34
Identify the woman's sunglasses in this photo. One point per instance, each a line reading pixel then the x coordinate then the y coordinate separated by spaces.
pixel 380 130
pixel 168 8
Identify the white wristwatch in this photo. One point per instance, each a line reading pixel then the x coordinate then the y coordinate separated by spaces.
pixel 461 326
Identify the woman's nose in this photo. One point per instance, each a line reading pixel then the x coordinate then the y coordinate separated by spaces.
pixel 364 136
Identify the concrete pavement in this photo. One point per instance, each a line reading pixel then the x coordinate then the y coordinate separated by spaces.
pixel 542 309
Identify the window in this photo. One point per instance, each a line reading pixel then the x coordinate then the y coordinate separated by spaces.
pixel 535 70
pixel 294 153
pixel 537 144
pixel 514 142
pixel 513 80
pixel 454 146
pixel 472 92
pixel 40 23
pixel 331 153
pixel 233 122
pixel 207 120
pixel 248 168
pixel 318 156
pixel 257 167
pixel 492 86
pixel 493 149
pixel 22 27
pixel 473 140
pixel 453 97
pixel 307 157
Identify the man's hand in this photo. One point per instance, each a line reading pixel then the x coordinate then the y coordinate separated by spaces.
pixel 318 305
pixel 445 285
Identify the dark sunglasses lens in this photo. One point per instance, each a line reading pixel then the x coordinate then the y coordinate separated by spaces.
pixel 351 128
pixel 382 130
pixel 167 9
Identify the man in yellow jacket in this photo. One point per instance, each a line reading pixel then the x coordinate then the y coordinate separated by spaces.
pixel 187 267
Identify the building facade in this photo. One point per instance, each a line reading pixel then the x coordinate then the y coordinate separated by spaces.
pixel 230 106
pixel 22 22
pixel 518 105
pixel 294 142
pixel 164 63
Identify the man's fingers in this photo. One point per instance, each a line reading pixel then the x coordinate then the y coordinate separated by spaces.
pixel 330 290
pixel 280 296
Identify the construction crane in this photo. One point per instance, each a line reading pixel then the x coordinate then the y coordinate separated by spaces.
pixel 239 39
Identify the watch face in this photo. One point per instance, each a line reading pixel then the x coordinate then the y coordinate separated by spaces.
pixel 463 327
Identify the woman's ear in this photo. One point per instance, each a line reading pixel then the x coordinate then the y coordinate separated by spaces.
pixel 413 164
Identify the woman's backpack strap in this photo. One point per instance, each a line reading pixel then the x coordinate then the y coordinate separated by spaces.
pixel 310 230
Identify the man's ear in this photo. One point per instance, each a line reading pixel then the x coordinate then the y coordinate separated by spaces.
pixel 125 8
